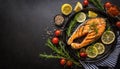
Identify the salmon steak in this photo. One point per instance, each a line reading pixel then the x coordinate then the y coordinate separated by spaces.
pixel 92 29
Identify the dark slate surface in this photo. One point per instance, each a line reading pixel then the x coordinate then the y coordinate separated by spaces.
pixel 22 26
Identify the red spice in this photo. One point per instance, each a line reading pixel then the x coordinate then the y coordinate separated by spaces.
pixel 113 10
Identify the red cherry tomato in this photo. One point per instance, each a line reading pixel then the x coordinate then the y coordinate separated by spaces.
pixel 118 24
pixel 62 61
pixel 69 63
pixel 85 2
pixel 57 32
pixel 107 5
pixel 83 54
pixel 55 40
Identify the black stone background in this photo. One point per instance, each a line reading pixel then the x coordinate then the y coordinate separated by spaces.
pixel 23 35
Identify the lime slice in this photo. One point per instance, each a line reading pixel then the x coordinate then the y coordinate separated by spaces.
pixel 92 14
pixel 100 47
pixel 66 9
pixel 108 37
pixel 78 7
pixel 91 51
pixel 80 17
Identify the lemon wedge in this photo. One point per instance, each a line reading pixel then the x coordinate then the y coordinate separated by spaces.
pixel 92 14
pixel 78 7
pixel 66 9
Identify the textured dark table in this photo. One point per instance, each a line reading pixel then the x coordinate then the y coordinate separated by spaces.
pixel 22 24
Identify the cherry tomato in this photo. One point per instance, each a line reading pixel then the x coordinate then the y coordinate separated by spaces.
pixel 69 63
pixel 55 40
pixel 83 54
pixel 85 2
pixel 118 24
pixel 57 32
pixel 107 5
pixel 62 61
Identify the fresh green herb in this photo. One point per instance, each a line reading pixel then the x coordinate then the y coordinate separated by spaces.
pixel 71 26
pixel 108 28
pixel 97 3
pixel 79 17
pixel 107 31
pixel 59 52
pixel 78 54
pixel 50 56
pixel 96 30
pixel 93 26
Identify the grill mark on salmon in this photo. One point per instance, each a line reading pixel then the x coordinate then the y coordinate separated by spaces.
pixel 92 32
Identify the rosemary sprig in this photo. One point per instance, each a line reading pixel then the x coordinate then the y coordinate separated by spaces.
pixel 49 56
pixel 54 48
pixel 71 26
pixel 97 3
pixel 63 49
pixel 59 52
pixel 108 28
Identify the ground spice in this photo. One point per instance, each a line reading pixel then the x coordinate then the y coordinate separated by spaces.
pixel 59 19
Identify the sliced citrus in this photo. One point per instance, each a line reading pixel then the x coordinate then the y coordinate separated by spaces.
pixel 78 7
pixel 80 17
pixel 100 47
pixel 108 37
pixel 66 9
pixel 91 51
pixel 92 14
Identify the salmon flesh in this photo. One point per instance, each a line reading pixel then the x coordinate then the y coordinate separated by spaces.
pixel 92 29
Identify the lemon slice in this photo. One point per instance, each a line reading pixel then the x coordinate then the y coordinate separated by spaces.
pixel 91 51
pixel 66 9
pixel 78 7
pixel 100 47
pixel 108 37
pixel 80 17
pixel 92 14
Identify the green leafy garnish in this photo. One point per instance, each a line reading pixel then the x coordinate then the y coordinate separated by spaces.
pixel 108 28
pixel 97 3
pixel 59 51
pixel 93 26
pixel 71 26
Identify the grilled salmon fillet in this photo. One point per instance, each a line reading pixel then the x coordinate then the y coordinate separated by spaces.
pixel 93 29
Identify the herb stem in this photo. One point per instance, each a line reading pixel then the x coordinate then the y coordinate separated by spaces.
pixel 97 3
pixel 60 52
pixel 50 56
pixel 71 26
